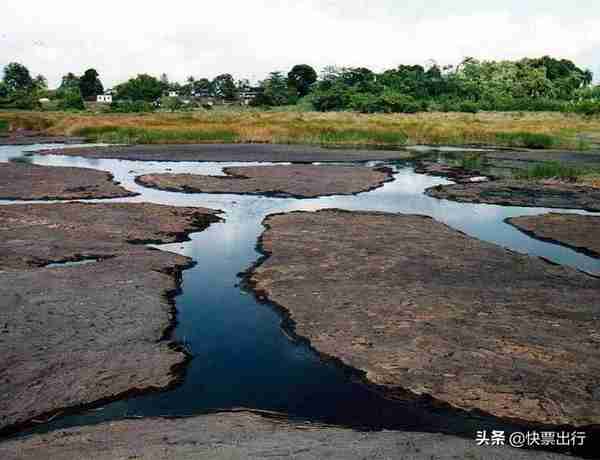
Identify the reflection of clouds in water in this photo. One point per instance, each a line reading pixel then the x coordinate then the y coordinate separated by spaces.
pixel 244 213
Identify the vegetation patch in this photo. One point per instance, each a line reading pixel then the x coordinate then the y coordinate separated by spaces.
pixel 3 127
pixel 550 170
pixel 472 162
pixel 527 139
pixel 255 126
pixel 127 135
pixel 355 136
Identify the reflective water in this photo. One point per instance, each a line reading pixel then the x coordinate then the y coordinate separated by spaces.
pixel 242 356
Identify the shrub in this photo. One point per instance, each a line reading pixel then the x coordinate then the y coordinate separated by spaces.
pixel 365 103
pixel 585 108
pixel 71 100
pixel 335 98
pixel 468 107
pixel 3 126
pixel 393 102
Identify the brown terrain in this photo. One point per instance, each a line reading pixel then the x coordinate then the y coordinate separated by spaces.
pixel 580 232
pixel 548 194
pixel 20 181
pixel 72 335
pixel 299 181
pixel 243 435
pixel 232 152
pixel 419 306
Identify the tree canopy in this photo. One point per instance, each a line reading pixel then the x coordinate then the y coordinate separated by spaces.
pixel 301 77
pixel 144 87
pixel 17 77
pixel 90 84
pixel 224 86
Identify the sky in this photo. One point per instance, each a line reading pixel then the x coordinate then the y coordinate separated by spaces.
pixel 249 39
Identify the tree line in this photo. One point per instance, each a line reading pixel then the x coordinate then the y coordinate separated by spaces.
pixel 530 84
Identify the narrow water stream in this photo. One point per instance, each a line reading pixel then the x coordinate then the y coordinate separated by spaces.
pixel 242 356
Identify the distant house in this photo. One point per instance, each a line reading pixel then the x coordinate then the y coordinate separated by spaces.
pixel 247 95
pixel 105 98
pixel 203 97
pixel 173 94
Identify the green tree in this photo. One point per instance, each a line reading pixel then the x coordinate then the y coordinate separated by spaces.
pixel 90 84
pixel 224 86
pixel 40 83
pixel 17 77
pixel 301 77
pixel 202 85
pixel 69 82
pixel 275 91
pixel 144 87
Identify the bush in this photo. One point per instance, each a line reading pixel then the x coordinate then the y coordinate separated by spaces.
pixel 468 107
pixel 525 139
pixel 585 108
pixel 335 98
pixel 3 126
pixel 393 102
pixel 365 103
pixel 71 100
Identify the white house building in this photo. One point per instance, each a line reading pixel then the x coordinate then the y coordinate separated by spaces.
pixel 105 98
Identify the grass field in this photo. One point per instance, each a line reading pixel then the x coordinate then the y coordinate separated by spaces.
pixel 534 130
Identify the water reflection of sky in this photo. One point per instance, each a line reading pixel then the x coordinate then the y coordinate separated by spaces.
pixel 403 195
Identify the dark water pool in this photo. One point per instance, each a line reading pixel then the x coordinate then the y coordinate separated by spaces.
pixel 241 355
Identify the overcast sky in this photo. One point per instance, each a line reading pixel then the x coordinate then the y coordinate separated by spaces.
pixel 251 38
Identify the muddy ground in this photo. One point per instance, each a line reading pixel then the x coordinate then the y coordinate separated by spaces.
pixel 579 232
pixel 73 335
pixel 19 181
pixel 417 305
pixel 298 181
pixel 244 435
pixel 234 152
pixel 543 194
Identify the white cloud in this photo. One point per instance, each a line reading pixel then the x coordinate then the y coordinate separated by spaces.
pixel 249 39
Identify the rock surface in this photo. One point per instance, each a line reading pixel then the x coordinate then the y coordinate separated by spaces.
pixel 33 235
pixel 74 335
pixel 521 193
pixel 247 436
pixel 31 182
pixel 300 181
pixel 232 152
pixel 419 306
pixel 579 232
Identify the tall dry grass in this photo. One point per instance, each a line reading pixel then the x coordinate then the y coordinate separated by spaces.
pixel 561 130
